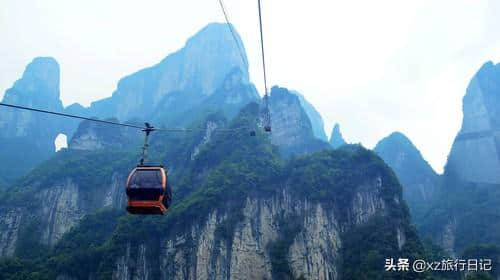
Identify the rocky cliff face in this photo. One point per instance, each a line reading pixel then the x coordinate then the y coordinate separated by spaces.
pixel 234 93
pixel 60 193
pixel 240 212
pixel 314 116
pixel 195 71
pixel 10 220
pixel 200 253
pixel 277 235
pixel 39 88
pixel 85 179
pixel 464 212
pixel 92 136
pixel 292 129
pixel 336 139
pixel 475 155
pixel 420 182
pixel 71 125
pixel 67 203
pixel 56 208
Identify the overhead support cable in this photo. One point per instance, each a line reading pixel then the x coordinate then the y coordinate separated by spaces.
pixel 262 49
pixel 267 113
pixel 233 33
pixel 69 115
pixel 116 123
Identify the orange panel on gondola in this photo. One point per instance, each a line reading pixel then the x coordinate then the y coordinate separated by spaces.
pixel 148 191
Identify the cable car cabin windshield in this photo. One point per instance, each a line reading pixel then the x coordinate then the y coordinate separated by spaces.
pixel 146 184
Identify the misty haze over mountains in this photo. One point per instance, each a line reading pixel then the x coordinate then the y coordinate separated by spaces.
pixel 289 204
pixel 408 63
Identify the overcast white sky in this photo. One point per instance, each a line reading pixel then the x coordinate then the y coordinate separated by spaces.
pixel 373 66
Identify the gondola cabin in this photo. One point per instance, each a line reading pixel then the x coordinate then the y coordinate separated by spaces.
pixel 148 191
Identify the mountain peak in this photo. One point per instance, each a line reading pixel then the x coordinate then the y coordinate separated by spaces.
pixel 44 63
pixel 44 70
pixel 216 40
pixel 314 117
pixel 419 180
pixel 197 70
pixel 218 33
pixel 336 139
pixel 474 154
pixel 396 149
pixel 30 132
pixel 292 129
pixel 40 78
pixel 398 137
pixel 486 66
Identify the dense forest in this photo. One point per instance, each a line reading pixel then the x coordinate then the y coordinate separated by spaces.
pixel 234 167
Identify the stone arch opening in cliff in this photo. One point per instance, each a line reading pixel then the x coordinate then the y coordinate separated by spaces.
pixel 61 141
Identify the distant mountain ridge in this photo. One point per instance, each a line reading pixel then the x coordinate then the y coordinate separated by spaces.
pixel 314 116
pixel 420 182
pixel 292 128
pixel 27 138
pixel 294 209
pixel 234 93
pixel 336 138
pixel 38 87
pixel 207 75
pixel 475 154
pixel 196 70
pixel 466 211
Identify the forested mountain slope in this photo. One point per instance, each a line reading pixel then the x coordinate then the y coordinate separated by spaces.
pixel 240 211
pixel 420 182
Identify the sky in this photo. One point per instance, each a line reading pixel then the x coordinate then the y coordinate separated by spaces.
pixel 372 66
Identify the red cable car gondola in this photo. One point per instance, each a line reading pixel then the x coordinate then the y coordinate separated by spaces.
pixel 148 191
pixel 147 187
